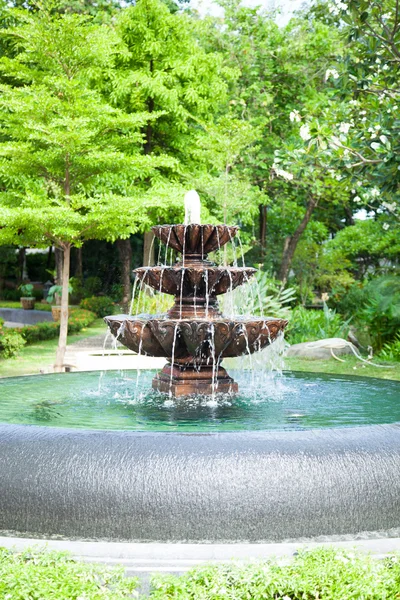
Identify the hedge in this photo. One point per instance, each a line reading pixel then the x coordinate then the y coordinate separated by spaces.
pixel 78 319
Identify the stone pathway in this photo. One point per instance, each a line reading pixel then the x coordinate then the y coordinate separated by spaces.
pixel 98 353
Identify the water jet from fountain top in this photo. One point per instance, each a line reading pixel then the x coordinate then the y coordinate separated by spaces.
pixel 192 208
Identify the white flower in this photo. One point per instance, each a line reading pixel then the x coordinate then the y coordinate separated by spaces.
pixel 378 61
pixel 331 73
pixel 392 207
pixel 384 139
pixel 335 142
pixel 385 226
pixel 295 116
pixel 305 132
pixel 387 15
pixel 363 112
pixel 385 67
pixel 375 192
pixel 282 173
pixel 344 127
pixel 375 145
pixel 357 199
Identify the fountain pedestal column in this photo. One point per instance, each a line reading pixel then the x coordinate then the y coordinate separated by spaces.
pixel 180 379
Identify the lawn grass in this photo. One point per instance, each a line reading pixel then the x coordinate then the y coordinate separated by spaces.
pixel 38 305
pixel 350 366
pixel 41 355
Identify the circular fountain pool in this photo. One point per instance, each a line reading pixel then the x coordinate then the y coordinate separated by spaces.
pixel 127 402
pixel 298 456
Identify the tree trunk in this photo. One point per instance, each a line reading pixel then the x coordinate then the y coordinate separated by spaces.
pixel 263 230
pixel 148 249
pixel 125 255
pixel 62 340
pixel 292 241
pixel 50 252
pixel 79 264
pixel 59 258
pixel 349 216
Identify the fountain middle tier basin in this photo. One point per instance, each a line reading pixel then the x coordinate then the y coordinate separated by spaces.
pixel 155 335
pixel 194 281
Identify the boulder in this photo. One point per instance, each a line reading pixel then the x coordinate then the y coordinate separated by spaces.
pixel 321 349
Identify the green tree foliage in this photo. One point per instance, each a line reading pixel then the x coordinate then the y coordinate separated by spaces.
pixel 65 154
pixel 162 70
pixel 280 72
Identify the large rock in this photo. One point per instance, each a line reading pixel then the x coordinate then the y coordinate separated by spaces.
pixel 321 349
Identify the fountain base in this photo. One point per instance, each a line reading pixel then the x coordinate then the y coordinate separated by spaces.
pixel 186 380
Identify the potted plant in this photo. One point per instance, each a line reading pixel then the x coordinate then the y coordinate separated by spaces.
pixel 55 292
pixel 27 298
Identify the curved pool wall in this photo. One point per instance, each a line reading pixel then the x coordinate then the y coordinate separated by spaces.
pixel 232 486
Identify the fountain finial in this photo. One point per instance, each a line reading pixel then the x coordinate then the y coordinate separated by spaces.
pixel 192 208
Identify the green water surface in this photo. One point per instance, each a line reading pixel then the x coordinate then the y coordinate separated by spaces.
pixel 117 401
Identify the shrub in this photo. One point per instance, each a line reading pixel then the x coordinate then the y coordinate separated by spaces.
pixel 91 286
pixel 382 311
pixel 100 305
pixel 33 574
pixel 308 325
pixel 78 319
pixel 262 295
pixel 374 308
pixel 391 351
pixel 11 341
pixel 151 302
pixel 327 574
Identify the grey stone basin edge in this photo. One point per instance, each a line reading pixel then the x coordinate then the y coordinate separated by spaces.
pixel 199 487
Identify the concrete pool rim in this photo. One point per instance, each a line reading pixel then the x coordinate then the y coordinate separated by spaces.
pixel 264 486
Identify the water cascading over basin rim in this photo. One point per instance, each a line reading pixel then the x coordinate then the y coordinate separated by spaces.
pixel 194 336
pixel 180 487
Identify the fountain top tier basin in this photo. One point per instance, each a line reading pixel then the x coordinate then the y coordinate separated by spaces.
pixel 195 241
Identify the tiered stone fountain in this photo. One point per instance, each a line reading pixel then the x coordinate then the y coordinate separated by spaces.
pixel 194 336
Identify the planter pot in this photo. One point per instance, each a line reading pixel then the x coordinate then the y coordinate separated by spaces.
pixel 56 312
pixel 28 303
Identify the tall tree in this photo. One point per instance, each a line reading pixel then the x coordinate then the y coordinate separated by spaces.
pixel 280 71
pixel 65 154
pixel 164 71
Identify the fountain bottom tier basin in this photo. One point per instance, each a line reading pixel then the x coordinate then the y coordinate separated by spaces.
pixel 298 457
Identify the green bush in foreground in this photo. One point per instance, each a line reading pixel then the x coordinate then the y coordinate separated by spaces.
pixel 309 325
pixel 33 575
pixel 11 341
pixel 323 574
